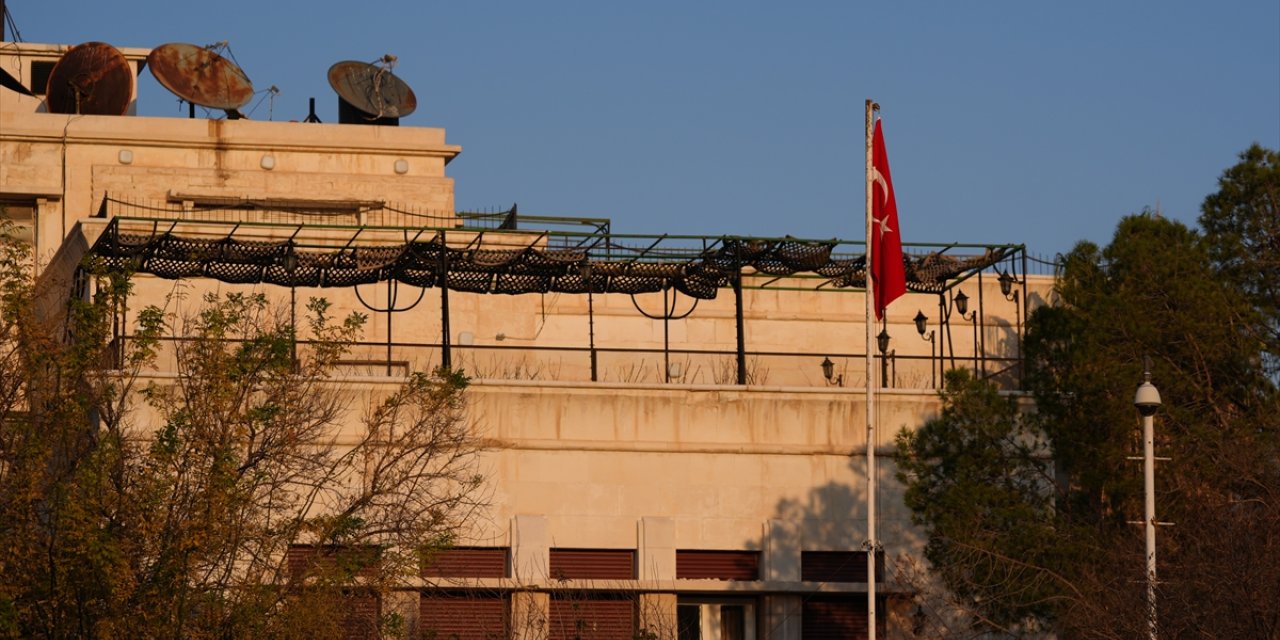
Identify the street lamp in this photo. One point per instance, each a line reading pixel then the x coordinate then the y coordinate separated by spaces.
pixel 1014 295
pixel 1147 400
pixel 922 323
pixel 882 342
pixel 962 307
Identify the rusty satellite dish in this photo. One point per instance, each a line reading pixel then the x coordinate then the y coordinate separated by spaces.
pixel 91 79
pixel 200 76
pixel 370 93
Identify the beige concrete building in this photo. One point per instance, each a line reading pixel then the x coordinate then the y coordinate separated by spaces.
pixel 669 452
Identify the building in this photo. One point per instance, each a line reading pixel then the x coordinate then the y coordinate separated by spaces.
pixel 668 451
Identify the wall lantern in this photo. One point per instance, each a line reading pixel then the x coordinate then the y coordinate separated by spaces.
pixel 962 303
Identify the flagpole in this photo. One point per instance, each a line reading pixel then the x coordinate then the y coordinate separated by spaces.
pixel 871 396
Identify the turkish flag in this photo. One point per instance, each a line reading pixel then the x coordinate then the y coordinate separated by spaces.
pixel 886 242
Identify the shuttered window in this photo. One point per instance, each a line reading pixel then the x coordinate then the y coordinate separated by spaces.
pixel 593 564
pixel 717 565
pixel 463 616
pixel 467 562
pixel 837 566
pixel 332 561
pixel 593 617
pixel 361 613
pixel 834 618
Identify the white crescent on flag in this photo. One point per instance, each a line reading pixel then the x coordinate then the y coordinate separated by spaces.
pixel 878 178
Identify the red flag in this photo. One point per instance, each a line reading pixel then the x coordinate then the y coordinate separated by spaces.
pixel 886 241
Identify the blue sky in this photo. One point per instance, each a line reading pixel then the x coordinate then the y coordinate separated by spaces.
pixel 1038 123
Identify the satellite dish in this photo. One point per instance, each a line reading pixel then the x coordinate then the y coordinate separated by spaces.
pixel 370 93
pixel 200 76
pixel 91 79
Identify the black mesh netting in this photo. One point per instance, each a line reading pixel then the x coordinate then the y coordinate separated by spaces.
pixel 513 271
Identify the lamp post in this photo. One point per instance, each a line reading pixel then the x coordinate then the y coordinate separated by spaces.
pixel 882 343
pixel 1013 295
pixel 1147 400
pixel 922 322
pixel 962 307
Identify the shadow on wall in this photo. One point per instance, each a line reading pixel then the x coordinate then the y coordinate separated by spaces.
pixel 819 539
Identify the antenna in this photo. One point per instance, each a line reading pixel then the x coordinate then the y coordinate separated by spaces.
pixel 371 93
pixel 200 76
pixel 90 79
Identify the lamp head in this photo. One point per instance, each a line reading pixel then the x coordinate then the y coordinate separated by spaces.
pixel 1006 283
pixel 962 303
pixel 922 321
pixel 882 341
pixel 828 368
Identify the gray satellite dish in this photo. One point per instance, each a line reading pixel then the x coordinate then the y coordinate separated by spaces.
pixel 370 93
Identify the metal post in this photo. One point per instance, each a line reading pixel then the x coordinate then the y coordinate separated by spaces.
pixel 391 304
pixel 446 355
pixel 591 329
pixel 1147 400
pixel 871 542
pixel 667 310
pixel 980 318
pixel 742 340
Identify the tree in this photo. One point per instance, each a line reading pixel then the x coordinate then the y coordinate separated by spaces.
pixel 1154 291
pixel 244 496
pixel 1242 229
pixel 979 481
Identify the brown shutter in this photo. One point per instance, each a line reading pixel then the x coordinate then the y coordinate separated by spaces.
pixel 361 613
pixel 717 565
pixel 838 566
pixel 467 562
pixel 834 618
pixel 337 561
pixel 594 617
pixel 463 616
pixel 593 564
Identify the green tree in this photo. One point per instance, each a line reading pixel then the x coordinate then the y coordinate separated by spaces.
pixel 979 480
pixel 246 494
pixel 1153 291
pixel 1242 228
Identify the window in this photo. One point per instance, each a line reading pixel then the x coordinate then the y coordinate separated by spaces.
pixel 19 219
pixel 467 562
pixel 593 564
pixel 40 71
pixel 594 616
pixel 464 615
pixel 717 565
pixel 838 566
pixel 701 618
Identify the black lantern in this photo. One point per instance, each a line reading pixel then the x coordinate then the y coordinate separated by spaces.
pixel 1006 283
pixel 962 303
pixel 922 321
pixel 882 341
pixel 289 261
pixel 828 368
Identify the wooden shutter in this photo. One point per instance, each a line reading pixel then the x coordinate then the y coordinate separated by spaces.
pixel 337 561
pixel 593 564
pixel 834 618
pixel 463 616
pixel 362 612
pixel 592 617
pixel 717 565
pixel 838 566
pixel 467 562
